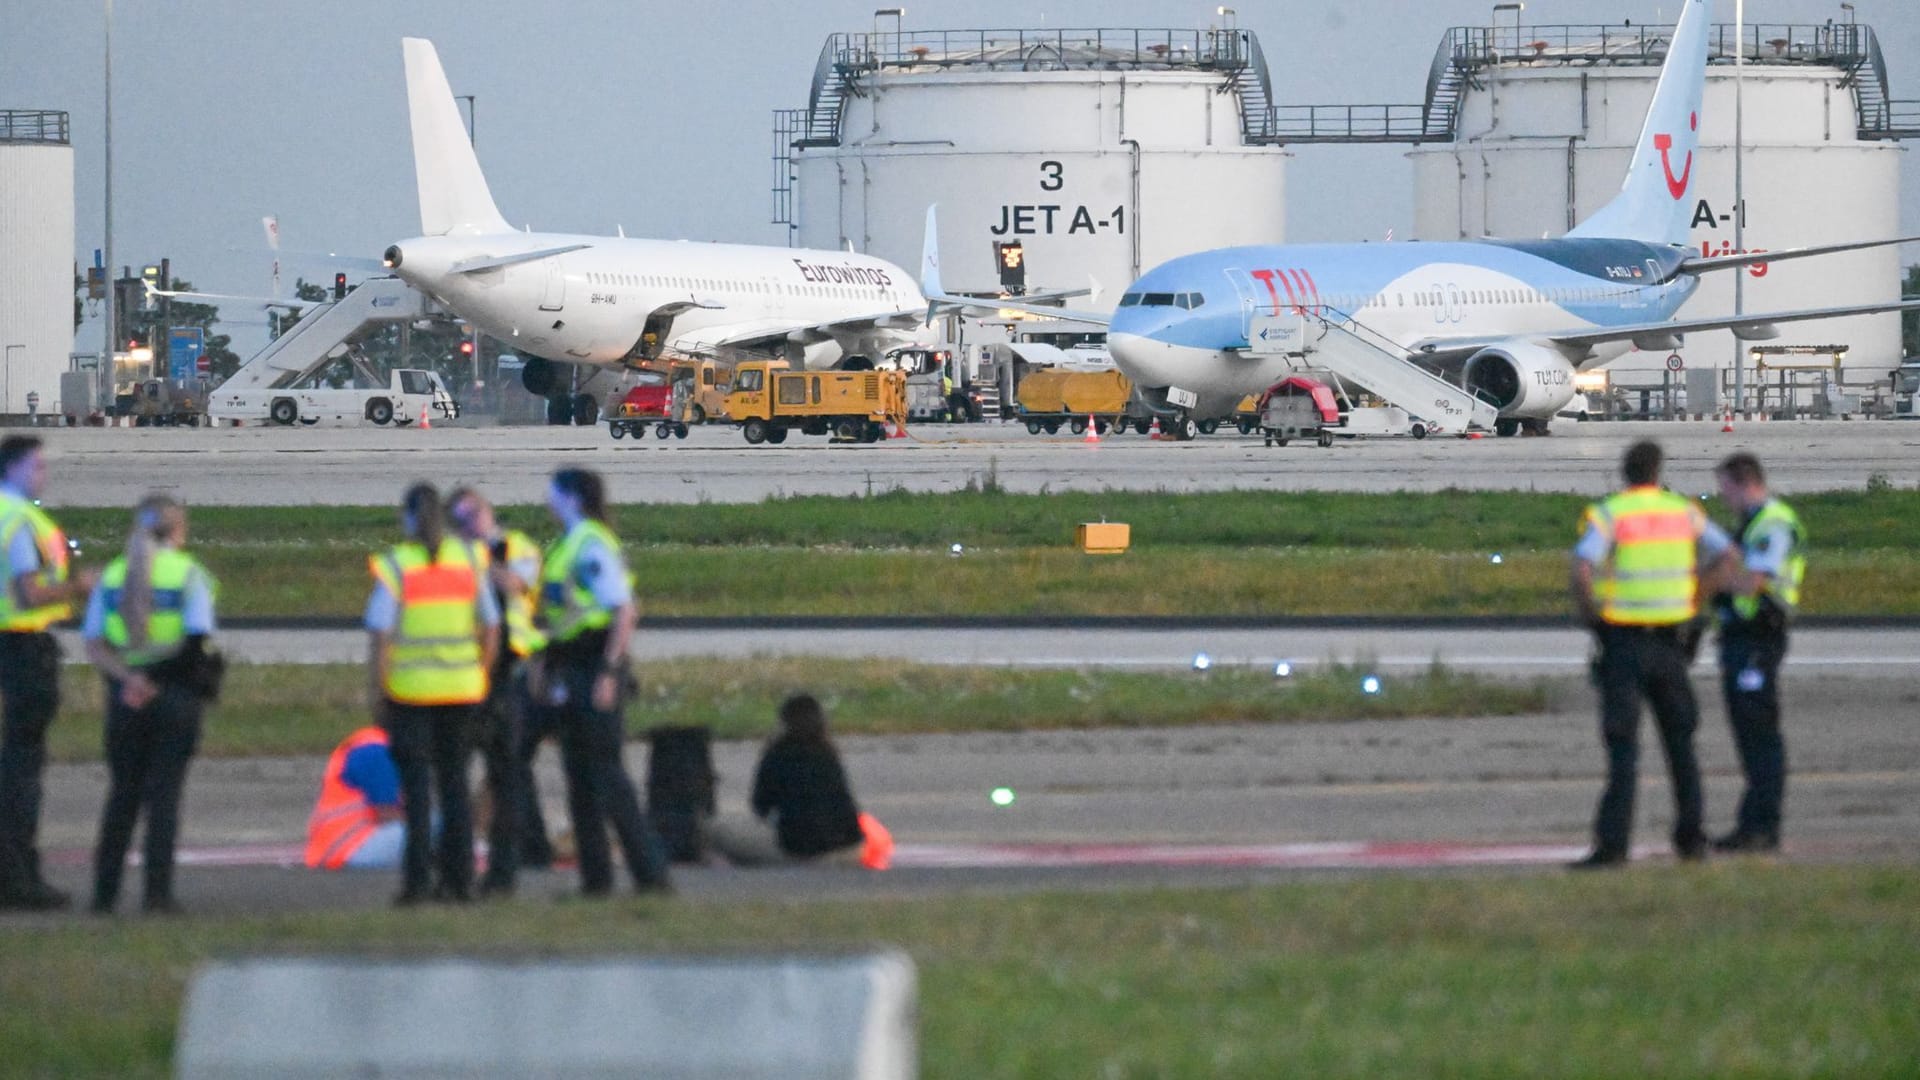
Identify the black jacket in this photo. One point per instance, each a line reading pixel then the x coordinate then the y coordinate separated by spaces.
pixel 803 786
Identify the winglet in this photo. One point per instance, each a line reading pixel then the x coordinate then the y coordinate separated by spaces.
pixel 453 192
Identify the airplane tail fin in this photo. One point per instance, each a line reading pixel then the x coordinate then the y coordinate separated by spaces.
pixel 930 256
pixel 1653 203
pixel 453 193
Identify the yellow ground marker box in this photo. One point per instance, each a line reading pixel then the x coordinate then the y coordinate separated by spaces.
pixel 1103 537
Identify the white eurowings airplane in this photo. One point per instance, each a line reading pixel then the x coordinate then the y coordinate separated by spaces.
pixel 613 301
pixel 1510 321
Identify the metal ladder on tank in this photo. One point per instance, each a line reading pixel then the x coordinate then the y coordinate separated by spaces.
pixel 309 344
pixel 1333 342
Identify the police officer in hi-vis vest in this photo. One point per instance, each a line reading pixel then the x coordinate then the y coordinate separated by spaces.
pixel 1755 605
pixel 146 630
pixel 587 603
pixel 506 744
pixel 434 628
pixel 37 590
pixel 1636 582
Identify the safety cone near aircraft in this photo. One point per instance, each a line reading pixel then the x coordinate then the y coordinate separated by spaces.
pixel 1153 430
pixel 1093 430
pixel 897 429
pixel 426 422
pixel 1726 426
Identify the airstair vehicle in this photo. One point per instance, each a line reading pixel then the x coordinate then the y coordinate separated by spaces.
pixel 272 385
pixel 1328 343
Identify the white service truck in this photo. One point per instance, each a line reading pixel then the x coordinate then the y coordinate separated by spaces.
pixel 409 394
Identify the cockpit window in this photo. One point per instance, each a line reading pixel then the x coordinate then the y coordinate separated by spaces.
pixel 1191 300
pixel 1156 299
pixel 1131 299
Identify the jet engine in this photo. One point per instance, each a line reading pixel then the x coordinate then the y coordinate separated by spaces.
pixel 1521 379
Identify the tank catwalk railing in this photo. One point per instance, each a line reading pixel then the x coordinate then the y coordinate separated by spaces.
pixel 1467 51
pixel 33 126
pixel 847 58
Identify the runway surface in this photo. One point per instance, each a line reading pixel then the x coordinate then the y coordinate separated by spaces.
pixel 1531 651
pixel 365 465
pixel 1224 804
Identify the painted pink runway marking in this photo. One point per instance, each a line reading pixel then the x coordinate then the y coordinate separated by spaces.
pixel 1306 856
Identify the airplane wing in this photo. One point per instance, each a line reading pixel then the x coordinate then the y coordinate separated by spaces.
pixel 767 332
pixel 947 302
pixel 255 301
pixel 1704 264
pixel 1752 326
pixel 495 262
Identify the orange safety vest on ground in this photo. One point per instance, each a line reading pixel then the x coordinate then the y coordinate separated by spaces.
pixel 343 819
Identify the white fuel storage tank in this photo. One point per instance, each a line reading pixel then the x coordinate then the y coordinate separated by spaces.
pixel 1103 152
pixel 36 257
pixel 1548 116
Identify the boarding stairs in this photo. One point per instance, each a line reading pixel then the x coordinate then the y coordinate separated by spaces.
pixel 309 344
pixel 1328 342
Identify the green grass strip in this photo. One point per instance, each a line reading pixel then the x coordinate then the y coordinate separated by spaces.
pixel 1734 969
pixel 272 709
pixel 1228 553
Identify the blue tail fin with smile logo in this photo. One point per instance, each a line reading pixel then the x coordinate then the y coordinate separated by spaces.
pixel 1655 203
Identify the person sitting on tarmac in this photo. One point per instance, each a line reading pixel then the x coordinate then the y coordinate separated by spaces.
pixel 803 810
pixel 357 823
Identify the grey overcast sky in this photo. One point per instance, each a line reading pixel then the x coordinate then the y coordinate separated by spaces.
pixel 649 114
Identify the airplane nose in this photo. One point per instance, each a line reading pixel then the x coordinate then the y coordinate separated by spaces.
pixel 1141 358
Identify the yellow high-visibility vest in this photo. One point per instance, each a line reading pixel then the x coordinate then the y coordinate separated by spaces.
pixel 434 657
pixel 1784 589
pixel 1649 577
pixel 568 605
pixel 173 573
pixel 516 608
pixel 17 513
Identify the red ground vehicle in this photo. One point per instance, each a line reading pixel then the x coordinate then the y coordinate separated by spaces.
pixel 650 402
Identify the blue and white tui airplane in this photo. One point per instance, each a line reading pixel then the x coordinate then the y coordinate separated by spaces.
pixel 1510 321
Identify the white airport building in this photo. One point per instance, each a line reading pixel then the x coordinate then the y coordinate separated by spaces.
pixel 36 258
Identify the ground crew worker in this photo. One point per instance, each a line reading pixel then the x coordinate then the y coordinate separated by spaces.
pixel 434 627
pixel 587 603
pixel 146 630
pixel 1755 606
pixel 37 590
pixel 1636 583
pixel 506 744
pixel 356 823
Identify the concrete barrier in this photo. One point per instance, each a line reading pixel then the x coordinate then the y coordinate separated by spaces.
pixel 665 1018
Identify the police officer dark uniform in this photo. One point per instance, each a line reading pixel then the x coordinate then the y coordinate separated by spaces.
pixel 146 630
pixel 586 601
pixel 37 590
pixel 1754 609
pixel 434 627
pixel 1636 582
pixel 505 741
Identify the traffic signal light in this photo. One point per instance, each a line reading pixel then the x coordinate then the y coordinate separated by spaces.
pixel 339 286
pixel 1012 260
pixel 466 346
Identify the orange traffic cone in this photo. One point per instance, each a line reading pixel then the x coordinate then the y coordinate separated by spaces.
pixel 1153 429
pixel 1726 426
pixel 899 429
pixel 1093 430
pixel 426 424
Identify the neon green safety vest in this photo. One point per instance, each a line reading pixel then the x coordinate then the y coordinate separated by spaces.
pixel 174 573
pixel 1649 576
pixel 434 657
pixel 1785 588
pixel 516 608
pixel 566 603
pixel 17 513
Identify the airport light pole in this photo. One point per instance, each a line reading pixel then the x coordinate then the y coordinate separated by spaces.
pixel 1739 198
pixel 112 333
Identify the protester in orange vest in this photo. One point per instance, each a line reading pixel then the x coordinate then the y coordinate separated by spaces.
pixel 356 824
pixel 432 626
